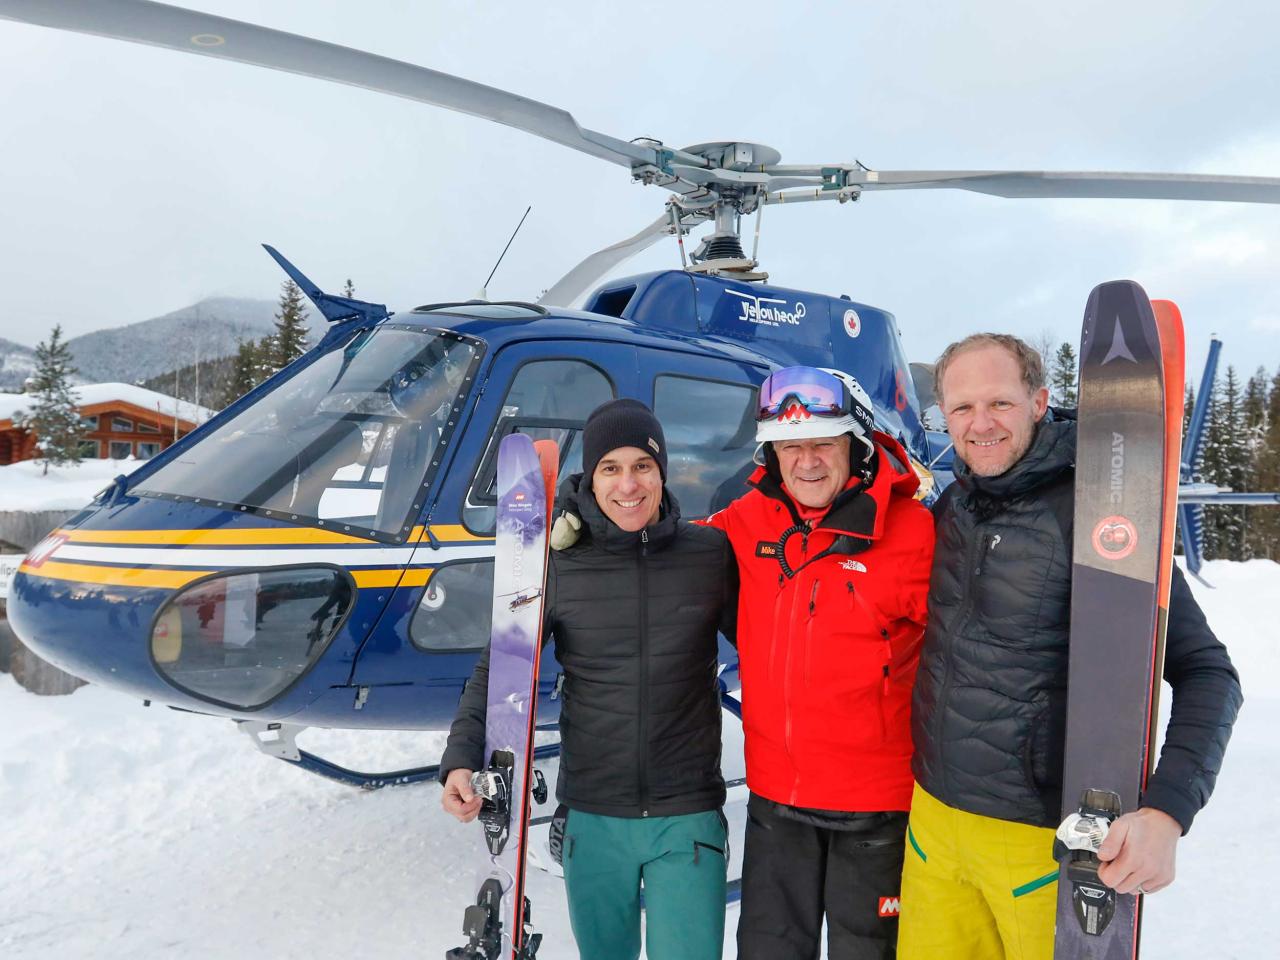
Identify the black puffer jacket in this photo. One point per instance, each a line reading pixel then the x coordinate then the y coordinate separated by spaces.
pixel 634 618
pixel 989 705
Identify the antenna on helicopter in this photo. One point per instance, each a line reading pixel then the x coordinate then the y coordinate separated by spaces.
pixel 484 290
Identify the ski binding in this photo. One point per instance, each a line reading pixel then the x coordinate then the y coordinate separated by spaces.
pixel 1076 844
pixel 493 786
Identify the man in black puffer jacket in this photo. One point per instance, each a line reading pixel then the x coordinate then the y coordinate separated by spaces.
pixel 989 705
pixel 634 607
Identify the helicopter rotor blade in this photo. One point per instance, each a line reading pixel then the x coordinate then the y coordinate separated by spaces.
pixel 1075 184
pixel 189 31
pixel 582 277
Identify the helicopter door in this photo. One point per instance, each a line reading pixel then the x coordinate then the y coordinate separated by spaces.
pixel 545 390
pixel 707 410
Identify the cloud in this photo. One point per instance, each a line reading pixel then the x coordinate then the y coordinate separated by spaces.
pixel 1269 324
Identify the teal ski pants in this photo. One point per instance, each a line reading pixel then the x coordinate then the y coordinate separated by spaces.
pixel 679 862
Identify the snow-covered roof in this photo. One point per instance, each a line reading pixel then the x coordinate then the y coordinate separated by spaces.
pixel 13 403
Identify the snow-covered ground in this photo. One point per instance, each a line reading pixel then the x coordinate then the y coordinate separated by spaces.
pixel 132 832
pixel 26 486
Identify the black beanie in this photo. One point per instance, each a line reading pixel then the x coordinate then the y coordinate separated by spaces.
pixel 622 423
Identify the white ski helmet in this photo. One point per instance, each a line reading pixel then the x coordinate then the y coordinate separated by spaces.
pixel 802 403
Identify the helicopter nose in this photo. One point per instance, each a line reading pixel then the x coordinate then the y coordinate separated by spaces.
pixel 220 620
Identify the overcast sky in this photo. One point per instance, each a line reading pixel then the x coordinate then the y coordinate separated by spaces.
pixel 134 181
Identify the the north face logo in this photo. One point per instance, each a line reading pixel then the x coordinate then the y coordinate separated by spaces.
pixel 853 565
pixel 888 907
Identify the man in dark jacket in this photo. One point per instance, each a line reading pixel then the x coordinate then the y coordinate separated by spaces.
pixel 634 607
pixel 989 706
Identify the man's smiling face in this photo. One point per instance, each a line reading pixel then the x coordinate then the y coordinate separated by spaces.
pixel 814 471
pixel 991 413
pixel 628 488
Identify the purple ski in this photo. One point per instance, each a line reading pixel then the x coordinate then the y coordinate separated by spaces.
pixel 497 925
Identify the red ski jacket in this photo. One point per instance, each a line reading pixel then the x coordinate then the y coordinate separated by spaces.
pixel 829 640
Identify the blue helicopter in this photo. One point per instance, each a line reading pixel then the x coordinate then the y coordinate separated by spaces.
pixel 320 552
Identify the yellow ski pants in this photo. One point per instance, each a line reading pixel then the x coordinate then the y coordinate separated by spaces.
pixel 975 888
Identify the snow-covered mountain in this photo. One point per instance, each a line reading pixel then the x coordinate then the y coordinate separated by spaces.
pixel 212 328
pixel 202 331
pixel 16 364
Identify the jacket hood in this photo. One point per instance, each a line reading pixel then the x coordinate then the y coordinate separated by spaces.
pixel 859 512
pixel 1052 451
pixel 576 498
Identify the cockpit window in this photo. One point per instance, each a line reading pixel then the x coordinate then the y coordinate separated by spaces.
pixel 348 443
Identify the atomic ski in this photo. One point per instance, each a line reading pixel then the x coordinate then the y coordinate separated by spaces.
pixel 1127 453
pixel 497 925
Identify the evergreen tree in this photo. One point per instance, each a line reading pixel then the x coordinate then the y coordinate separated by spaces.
pixel 349 289
pixel 1253 421
pixel 1063 377
pixel 1226 463
pixel 1188 404
pixel 54 417
pixel 1265 525
pixel 264 359
pixel 244 375
pixel 289 341
pixel 1254 409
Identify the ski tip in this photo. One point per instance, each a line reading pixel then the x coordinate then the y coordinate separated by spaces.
pixel 549 458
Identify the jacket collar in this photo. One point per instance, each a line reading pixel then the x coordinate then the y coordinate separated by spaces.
pixel 860 511
pixel 577 498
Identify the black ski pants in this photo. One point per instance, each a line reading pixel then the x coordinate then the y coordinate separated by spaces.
pixel 794 873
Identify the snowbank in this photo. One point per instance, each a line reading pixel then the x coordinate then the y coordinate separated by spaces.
pixel 25 486
pixel 132 831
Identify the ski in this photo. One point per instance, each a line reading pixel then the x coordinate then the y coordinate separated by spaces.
pixel 498 924
pixel 1125 496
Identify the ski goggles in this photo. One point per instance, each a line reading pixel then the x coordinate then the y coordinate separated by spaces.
pixel 820 393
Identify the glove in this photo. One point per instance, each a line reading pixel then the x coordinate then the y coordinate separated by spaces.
pixel 565 531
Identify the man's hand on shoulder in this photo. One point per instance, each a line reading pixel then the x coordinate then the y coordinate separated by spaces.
pixel 1138 854
pixel 459 799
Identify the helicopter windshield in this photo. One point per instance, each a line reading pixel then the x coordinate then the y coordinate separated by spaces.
pixel 346 443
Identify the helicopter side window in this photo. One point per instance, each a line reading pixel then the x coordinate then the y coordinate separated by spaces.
pixel 547 400
pixel 347 443
pixel 242 639
pixel 710 430
pixel 456 611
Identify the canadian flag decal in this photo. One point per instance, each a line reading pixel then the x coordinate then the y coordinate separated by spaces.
pixel 888 907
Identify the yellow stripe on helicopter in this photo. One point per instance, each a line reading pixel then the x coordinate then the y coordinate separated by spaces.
pixel 258 536
pixel 157 578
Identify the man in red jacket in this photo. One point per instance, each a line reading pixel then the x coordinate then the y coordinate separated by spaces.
pixel 834 555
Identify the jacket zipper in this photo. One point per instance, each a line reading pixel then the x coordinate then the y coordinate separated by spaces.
pixel 786 678
pixel 644 674
pixel 973 570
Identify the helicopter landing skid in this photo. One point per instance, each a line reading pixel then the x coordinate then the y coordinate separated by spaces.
pixel 279 740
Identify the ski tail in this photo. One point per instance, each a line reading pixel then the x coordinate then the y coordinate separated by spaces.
pixel 1173 356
